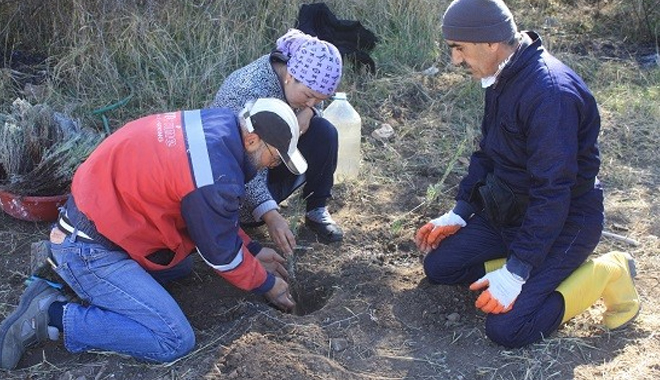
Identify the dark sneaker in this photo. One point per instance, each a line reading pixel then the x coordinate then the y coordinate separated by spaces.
pixel 320 221
pixel 28 324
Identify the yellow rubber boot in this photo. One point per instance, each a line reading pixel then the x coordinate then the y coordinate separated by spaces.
pixel 493 265
pixel 581 289
pixel 609 276
pixel 620 295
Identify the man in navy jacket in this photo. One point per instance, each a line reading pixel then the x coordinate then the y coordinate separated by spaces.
pixel 529 212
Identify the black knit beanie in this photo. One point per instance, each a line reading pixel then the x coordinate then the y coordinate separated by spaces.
pixel 478 21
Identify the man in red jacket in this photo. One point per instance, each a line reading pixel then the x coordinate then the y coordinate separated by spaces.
pixel 155 191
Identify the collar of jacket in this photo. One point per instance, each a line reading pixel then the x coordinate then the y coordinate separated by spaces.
pixel 530 43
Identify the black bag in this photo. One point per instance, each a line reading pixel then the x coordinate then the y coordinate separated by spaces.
pixel 499 203
pixel 353 40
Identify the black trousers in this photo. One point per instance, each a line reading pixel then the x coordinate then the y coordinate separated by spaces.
pixel 319 146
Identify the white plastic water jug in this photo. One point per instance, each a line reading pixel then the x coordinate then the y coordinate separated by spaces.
pixel 349 127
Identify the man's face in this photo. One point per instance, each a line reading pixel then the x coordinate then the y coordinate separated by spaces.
pixel 479 58
pixel 264 156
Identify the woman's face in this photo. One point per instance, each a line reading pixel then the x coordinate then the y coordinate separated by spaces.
pixel 298 95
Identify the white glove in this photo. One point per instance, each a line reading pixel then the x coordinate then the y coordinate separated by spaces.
pixel 449 219
pixel 501 290
pixel 430 235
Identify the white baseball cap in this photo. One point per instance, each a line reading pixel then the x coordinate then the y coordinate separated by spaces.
pixel 275 123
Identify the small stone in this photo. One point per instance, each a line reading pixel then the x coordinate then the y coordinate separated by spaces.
pixel 453 317
pixel 384 133
pixel 339 344
pixel 550 22
pixel 431 71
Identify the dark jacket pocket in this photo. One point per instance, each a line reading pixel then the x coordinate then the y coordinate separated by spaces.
pixel 501 205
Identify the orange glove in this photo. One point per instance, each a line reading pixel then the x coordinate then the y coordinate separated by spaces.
pixel 501 290
pixel 430 235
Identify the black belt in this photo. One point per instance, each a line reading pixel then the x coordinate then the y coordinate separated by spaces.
pixel 85 228
pixel 496 200
pixel 65 225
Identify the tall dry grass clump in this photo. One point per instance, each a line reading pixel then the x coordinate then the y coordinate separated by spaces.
pixel 172 54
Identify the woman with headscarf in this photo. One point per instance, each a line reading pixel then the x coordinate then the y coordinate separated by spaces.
pixel 303 71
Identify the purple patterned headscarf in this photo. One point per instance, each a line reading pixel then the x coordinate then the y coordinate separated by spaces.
pixel 315 63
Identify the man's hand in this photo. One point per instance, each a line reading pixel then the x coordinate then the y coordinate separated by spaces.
pixel 279 231
pixel 430 235
pixel 279 295
pixel 272 262
pixel 501 290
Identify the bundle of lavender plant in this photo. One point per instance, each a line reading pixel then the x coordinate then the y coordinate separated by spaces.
pixel 40 149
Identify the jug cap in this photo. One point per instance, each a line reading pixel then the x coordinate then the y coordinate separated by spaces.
pixel 339 96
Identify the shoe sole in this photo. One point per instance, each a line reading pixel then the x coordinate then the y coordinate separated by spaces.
pixel 632 267
pixel 321 236
pixel 326 240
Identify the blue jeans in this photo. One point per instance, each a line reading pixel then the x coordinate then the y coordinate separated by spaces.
pixel 125 308
pixel 539 309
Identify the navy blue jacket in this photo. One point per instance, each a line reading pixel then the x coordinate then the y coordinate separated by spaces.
pixel 539 136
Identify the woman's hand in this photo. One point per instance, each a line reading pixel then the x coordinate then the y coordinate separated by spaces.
pixel 279 231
